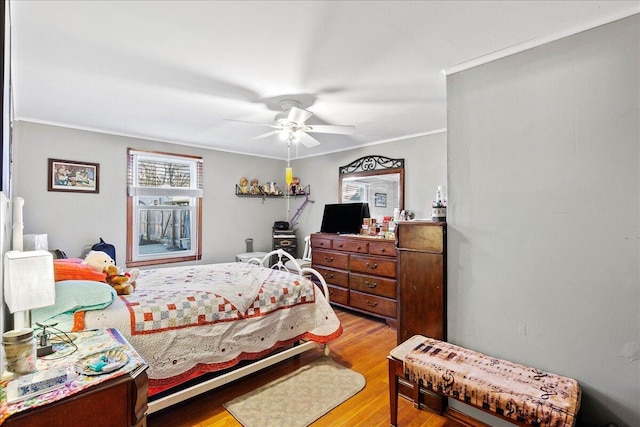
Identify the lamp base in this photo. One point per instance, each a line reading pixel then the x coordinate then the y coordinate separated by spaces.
pixel 45 350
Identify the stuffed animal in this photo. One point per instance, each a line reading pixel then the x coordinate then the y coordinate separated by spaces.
pixel 124 284
pixel 98 260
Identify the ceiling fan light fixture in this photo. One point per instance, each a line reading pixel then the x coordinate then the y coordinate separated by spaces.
pixel 298 116
pixel 295 138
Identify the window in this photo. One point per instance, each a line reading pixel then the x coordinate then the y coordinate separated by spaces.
pixel 164 208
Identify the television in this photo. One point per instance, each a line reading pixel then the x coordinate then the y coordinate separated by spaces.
pixel 344 218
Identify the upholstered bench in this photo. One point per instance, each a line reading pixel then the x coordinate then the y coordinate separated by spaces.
pixel 523 395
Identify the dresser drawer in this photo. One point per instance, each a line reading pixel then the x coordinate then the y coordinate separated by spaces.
pixel 374 304
pixel 320 243
pixel 334 277
pixel 338 295
pixel 382 248
pixel 357 246
pixel 330 259
pixel 373 265
pixel 423 237
pixel 373 285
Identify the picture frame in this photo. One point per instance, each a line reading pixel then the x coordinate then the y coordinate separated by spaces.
pixel 74 176
pixel 380 200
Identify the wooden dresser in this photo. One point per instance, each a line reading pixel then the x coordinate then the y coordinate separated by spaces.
pixel 360 272
pixel 422 277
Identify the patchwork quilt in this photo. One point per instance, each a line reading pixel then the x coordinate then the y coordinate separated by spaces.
pixel 185 321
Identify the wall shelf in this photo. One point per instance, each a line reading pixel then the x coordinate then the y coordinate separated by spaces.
pixel 304 191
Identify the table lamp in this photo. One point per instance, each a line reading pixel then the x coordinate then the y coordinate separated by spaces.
pixel 28 282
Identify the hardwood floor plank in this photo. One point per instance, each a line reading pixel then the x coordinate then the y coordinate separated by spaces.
pixel 363 347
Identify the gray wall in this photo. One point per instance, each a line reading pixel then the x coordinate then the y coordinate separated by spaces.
pixel 425 169
pixel 75 220
pixel 544 215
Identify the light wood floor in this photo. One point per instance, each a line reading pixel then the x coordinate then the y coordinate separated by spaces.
pixel 363 347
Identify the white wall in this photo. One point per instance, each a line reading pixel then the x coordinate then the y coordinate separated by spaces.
pixel 544 214
pixel 75 220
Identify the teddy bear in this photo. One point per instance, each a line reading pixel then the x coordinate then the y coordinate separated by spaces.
pixel 244 185
pixel 98 260
pixel 124 284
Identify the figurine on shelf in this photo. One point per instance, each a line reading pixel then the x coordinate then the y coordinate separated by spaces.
pixel 295 186
pixel 244 185
pixel 255 187
pixel 266 188
pixel 270 188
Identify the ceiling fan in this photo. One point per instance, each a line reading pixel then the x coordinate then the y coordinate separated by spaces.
pixel 291 125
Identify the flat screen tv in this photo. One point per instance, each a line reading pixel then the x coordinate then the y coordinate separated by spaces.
pixel 344 218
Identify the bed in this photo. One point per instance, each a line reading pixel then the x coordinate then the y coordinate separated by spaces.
pixel 188 322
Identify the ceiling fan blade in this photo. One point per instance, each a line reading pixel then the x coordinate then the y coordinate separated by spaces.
pixel 266 135
pixel 298 115
pixel 307 140
pixel 339 129
pixel 255 123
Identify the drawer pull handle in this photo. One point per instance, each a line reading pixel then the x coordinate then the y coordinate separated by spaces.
pixel 382 250
pixel 372 304
pixel 370 285
pixel 328 258
pixel 372 267
pixel 330 276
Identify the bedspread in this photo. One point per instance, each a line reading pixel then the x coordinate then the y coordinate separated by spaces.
pixel 188 320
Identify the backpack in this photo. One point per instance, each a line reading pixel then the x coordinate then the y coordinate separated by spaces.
pixel 107 248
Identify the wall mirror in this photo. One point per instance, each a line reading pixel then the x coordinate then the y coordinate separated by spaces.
pixel 377 180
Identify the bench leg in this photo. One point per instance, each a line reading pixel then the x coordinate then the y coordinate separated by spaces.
pixel 393 393
pixel 416 394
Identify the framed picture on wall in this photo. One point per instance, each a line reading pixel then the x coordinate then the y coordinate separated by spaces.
pixel 69 175
pixel 380 200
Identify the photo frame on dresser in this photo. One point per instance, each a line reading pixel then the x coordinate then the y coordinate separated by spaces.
pixel 73 176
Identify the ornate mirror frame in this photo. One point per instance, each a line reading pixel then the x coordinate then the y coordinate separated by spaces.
pixel 373 166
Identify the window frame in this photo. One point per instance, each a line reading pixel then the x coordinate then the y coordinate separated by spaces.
pixel 195 193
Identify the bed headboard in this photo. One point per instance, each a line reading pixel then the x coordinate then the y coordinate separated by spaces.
pixel 5 244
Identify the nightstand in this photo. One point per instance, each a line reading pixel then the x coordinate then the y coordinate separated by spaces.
pixel 114 399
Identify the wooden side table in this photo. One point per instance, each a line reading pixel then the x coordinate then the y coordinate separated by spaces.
pixel 119 401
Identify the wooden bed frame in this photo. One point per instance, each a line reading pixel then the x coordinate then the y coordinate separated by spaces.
pixel 248 369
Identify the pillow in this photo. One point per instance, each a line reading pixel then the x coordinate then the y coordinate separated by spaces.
pixel 76 295
pixel 73 269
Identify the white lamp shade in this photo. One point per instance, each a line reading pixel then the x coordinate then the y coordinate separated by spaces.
pixel 28 280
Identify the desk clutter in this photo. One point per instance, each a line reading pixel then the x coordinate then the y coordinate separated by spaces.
pixel 83 359
pixel 31 385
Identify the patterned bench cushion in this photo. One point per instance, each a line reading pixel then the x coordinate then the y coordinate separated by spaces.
pixel 512 391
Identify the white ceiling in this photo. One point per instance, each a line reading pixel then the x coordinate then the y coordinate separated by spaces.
pixel 175 71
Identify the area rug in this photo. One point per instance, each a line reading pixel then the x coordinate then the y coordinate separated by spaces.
pixel 299 398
